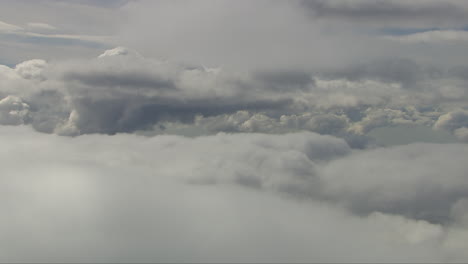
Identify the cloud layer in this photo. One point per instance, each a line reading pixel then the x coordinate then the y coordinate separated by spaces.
pixel 240 198
pixel 122 91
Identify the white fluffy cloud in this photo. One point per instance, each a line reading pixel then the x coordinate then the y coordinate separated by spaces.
pixel 31 69
pixel 453 120
pixel 13 111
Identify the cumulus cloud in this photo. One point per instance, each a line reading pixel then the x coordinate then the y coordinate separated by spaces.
pixel 13 111
pixel 122 91
pixel 208 199
pixel 453 120
pixel 31 69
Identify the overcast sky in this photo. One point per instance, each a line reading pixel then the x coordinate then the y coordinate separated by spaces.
pixel 233 131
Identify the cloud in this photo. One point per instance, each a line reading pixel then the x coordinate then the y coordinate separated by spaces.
pixel 6 28
pixel 280 81
pixel 101 4
pixel 462 133
pixel 232 135
pixel 31 69
pixel 126 93
pixel 126 79
pixel 265 43
pixel 118 51
pixel 389 13
pixel 390 70
pixel 13 111
pixel 452 120
pixel 136 199
pixel 435 36
pixel 43 33
pixel 41 26
pixel 123 91
pixel 400 180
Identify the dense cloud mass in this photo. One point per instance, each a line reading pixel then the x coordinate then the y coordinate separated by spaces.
pixel 233 131
pixel 245 197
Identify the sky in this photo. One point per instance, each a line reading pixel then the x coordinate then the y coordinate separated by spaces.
pixel 233 131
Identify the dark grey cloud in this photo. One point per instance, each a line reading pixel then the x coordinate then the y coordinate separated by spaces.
pixel 127 114
pixel 444 13
pixel 48 109
pixel 327 124
pixel 279 81
pixel 129 79
pixel 460 71
pixel 390 70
